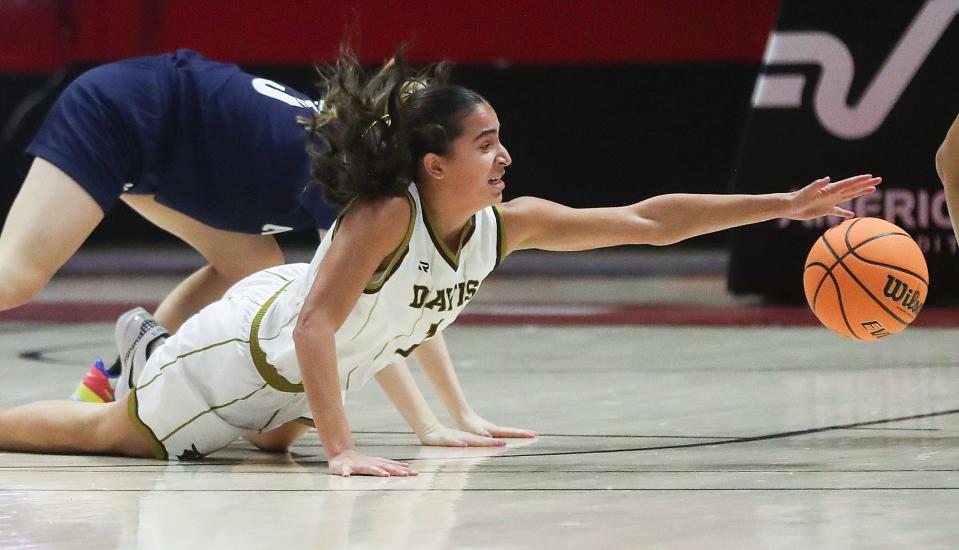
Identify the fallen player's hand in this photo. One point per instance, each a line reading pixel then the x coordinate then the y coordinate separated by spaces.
pixel 352 462
pixel 476 424
pixel 441 436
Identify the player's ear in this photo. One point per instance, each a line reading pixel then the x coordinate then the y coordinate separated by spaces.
pixel 433 166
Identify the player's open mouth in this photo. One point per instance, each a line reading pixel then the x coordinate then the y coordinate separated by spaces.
pixel 498 183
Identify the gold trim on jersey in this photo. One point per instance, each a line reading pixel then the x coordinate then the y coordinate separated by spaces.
pixel 453 259
pixel 267 371
pixel 500 237
pixel 159 451
pixel 378 280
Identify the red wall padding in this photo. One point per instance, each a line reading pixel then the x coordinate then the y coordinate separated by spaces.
pixel 40 35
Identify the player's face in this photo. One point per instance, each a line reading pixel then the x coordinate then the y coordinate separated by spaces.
pixel 477 158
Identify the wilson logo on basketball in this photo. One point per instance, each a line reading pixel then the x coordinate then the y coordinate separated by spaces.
pixel 900 292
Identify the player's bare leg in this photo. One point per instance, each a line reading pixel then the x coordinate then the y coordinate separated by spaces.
pixel 34 244
pixel 278 440
pixel 231 257
pixel 72 427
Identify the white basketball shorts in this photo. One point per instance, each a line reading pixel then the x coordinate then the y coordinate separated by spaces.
pixel 201 389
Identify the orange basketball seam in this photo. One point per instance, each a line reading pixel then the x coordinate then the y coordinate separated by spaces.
pixel 858 246
pixel 851 250
pixel 881 264
pixel 842 307
pixel 858 282
pixel 815 296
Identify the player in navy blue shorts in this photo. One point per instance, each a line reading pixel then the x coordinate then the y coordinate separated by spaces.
pixel 201 149
pixel 206 152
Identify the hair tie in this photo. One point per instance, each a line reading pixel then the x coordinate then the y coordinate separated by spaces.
pixel 385 119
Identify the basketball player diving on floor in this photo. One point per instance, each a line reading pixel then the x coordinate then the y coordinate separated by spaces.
pixel 214 156
pixel 419 168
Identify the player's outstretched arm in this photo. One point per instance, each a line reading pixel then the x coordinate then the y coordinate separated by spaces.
pixel 369 232
pixel 667 219
pixel 947 165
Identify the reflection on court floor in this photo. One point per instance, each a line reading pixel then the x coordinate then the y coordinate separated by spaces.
pixel 652 436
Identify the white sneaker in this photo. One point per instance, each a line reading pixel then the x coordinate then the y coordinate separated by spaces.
pixel 136 330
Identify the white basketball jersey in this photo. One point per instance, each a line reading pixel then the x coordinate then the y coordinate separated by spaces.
pixel 422 290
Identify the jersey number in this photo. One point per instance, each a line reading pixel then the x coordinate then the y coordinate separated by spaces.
pixel 429 334
pixel 278 91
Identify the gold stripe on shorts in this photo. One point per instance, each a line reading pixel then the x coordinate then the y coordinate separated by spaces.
pixel 267 371
pixel 211 409
pixel 187 354
pixel 159 451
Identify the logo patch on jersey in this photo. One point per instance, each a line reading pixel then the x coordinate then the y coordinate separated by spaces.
pixel 270 229
pixel 424 267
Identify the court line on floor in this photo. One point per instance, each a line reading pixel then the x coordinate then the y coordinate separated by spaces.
pixel 712 442
pixel 599 436
pixel 122 468
pixel 750 439
pixel 40 355
pixel 382 490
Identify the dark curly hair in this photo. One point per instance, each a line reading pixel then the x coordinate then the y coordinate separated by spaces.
pixel 371 132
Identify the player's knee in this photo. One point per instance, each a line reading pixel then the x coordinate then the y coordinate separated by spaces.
pixel 19 287
pixel 279 440
pixel 235 267
pixel 270 442
pixel 112 432
pixel 274 447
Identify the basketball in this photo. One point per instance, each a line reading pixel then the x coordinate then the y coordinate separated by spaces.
pixel 865 279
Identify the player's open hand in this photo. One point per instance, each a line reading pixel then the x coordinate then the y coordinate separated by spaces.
pixel 476 424
pixel 821 197
pixel 441 436
pixel 352 462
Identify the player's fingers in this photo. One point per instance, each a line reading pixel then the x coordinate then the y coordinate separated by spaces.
pixel 393 465
pixel 842 212
pixel 857 182
pixel 374 471
pixel 397 471
pixel 486 442
pixel 848 196
pixel 854 179
pixel 859 189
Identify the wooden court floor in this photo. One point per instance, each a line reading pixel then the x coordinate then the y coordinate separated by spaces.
pixel 652 437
